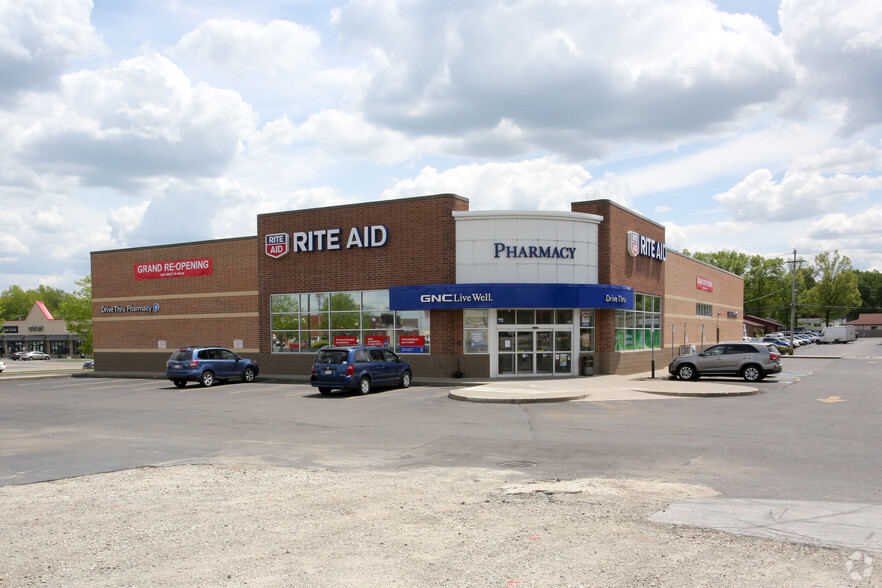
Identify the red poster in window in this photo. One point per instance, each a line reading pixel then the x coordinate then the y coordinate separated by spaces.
pixel 375 341
pixel 174 269
pixel 345 340
pixel 704 284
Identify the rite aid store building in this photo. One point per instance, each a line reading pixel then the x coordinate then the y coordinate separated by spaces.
pixel 475 293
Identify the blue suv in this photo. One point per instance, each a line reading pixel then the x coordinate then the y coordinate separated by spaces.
pixel 358 368
pixel 208 365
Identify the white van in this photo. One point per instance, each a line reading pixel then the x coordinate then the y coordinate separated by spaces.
pixel 840 334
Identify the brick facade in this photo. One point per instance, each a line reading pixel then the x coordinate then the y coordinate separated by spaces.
pixel 230 307
pixel 421 249
pixel 683 295
pixel 217 309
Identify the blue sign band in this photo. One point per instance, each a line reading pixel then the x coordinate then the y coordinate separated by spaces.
pixel 441 296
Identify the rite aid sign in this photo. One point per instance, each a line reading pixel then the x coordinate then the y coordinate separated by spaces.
pixel 640 245
pixel 279 244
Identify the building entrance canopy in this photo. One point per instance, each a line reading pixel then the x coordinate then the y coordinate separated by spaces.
pixel 451 296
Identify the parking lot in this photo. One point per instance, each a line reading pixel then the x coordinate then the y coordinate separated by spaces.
pixel 443 491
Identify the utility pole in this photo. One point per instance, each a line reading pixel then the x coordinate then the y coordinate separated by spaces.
pixel 793 297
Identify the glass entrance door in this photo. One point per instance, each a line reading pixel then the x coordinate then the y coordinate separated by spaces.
pixel 537 352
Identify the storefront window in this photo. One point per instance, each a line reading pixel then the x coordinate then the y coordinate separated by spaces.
pixel 301 323
pixel 505 316
pixel 640 328
pixel 475 331
pixel 544 316
pixel 563 316
pixel 586 330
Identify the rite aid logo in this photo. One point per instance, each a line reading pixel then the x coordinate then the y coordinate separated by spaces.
pixel 277 245
pixel 633 243
pixel 640 245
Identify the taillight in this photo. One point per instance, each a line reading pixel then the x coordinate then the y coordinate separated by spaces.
pixel 774 356
pixel 193 363
pixel 350 369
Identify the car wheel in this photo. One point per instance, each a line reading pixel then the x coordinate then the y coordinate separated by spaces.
pixel 364 385
pixel 180 383
pixel 405 380
pixel 324 390
pixel 752 373
pixel 686 372
pixel 207 379
pixel 248 375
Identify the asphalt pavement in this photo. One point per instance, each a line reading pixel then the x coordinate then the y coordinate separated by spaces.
pixel 829 524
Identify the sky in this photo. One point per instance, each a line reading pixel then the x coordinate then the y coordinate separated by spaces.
pixel 740 125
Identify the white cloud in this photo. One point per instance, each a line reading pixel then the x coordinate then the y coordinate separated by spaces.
pixel 538 184
pixel 249 48
pixel 142 119
pixel 600 71
pixel 839 47
pixel 38 38
pixel 797 195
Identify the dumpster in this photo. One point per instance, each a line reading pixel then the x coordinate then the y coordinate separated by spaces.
pixel 587 365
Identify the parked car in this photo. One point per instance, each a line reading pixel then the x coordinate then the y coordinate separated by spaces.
pixel 2 366
pixel 776 341
pixel 18 355
pixel 88 365
pixel 751 361
pixel 358 368
pixel 208 365
pixel 36 355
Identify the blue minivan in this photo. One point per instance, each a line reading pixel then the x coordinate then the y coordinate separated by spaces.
pixel 358 368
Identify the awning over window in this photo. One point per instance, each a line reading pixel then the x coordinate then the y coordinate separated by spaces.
pixel 58 338
pixel 35 337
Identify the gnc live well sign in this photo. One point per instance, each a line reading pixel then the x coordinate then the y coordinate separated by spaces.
pixel 173 269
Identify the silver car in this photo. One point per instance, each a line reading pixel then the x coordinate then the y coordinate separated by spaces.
pixel 751 361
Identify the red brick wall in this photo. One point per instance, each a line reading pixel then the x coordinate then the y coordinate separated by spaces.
pixel 421 249
pixel 645 274
pixel 683 295
pixel 194 310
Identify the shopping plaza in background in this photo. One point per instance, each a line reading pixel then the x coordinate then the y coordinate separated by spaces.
pixel 494 294
pixel 39 331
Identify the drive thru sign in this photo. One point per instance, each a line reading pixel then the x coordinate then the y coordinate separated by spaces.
pixel 277 244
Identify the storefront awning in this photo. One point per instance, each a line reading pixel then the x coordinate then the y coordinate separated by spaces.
pixel 58 338
pixel 12 338
pixel 449 296
pixel 35 337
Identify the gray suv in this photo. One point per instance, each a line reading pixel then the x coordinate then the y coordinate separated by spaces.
pixel 751 361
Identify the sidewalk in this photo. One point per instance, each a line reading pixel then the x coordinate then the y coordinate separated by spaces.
pixel 597 388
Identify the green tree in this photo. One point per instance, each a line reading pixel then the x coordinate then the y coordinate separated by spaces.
pixel 17 302
pixel 77 312
pixel 836 289
pixel 870 286
pixel 731 261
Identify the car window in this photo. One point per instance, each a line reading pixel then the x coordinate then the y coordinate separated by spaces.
pixel 180 356
pixel 332 356
pixel 377 355
pixel 716 350
pixel 389 356
pixel 361 356
pixel 225 354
